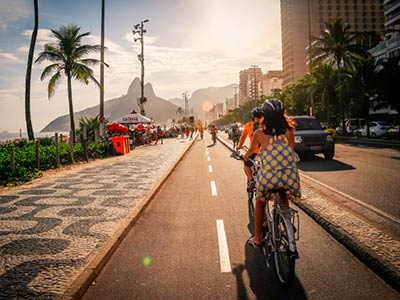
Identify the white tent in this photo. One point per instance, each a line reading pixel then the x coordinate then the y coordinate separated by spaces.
pixel 133 119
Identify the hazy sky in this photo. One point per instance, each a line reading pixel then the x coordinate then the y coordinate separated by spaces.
pixel 189 44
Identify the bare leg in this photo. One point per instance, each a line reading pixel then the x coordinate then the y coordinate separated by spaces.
pixel 259 216
pixel 248 172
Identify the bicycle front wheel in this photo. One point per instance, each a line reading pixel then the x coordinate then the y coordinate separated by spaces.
pixel 284 262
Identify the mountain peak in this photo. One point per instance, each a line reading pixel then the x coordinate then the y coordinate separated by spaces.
pixel 134 87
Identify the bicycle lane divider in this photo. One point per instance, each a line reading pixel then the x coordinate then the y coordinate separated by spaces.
pixel 210 170
pixel 213 188
pixel 224 260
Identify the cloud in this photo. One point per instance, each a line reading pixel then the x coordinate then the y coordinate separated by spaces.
pixel 6 57
pixel 44 36
pixel 12 11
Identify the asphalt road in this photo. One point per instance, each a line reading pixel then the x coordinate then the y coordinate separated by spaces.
pixel 173 251
pixel 369 174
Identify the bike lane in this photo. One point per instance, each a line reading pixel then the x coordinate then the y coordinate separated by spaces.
pixel 174 250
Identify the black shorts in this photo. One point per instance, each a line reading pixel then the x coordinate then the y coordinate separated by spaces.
pixel 248 163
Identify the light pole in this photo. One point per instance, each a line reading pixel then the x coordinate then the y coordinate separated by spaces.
pixel 139 29
pixel 101 118
pixel 185 99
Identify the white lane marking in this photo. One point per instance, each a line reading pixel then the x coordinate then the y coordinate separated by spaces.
pixel 208 158
pixel 213 188
pixel 376 210
pixel 224 261
pixel 209 168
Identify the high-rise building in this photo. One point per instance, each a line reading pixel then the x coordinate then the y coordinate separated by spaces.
pixel 302 19
pixel 390 46
pixel 270 82
pixel 249 84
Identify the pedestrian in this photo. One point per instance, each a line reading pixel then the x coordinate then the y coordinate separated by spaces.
pixel 159 134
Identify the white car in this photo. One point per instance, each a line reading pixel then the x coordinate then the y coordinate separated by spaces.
pixel 376 129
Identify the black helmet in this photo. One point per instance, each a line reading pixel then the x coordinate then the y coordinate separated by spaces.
pixel 257 112
pixel 273 105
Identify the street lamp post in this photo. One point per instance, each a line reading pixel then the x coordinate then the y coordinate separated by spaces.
pixel 185 99
pixel 139 29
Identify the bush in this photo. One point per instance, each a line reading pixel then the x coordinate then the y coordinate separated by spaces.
pixel 25 158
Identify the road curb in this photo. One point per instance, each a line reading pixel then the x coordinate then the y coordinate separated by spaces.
pixel 364 254
pixel 86 278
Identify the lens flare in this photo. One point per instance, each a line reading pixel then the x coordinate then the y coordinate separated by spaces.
pixel 146 261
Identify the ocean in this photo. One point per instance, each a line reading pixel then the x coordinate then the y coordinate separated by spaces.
pixel 10 136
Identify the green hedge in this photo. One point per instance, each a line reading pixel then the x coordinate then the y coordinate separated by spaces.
pixel 25 158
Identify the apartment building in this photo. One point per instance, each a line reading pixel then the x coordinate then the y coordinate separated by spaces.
pixel 271 81
pixel 249 84
pixel 390 46
pixel 302 19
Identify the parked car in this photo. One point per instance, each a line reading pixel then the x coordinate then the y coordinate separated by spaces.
pixel 309 137
pixel 394 131
pixel 353 124
pixel 376 129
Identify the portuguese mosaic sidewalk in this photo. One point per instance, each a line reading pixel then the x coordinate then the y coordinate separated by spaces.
pixel 51 229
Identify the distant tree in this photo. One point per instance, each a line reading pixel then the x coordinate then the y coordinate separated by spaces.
pixel 68 56
pixel 28 118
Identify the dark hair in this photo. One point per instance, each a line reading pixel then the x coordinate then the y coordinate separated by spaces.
pixel 277 122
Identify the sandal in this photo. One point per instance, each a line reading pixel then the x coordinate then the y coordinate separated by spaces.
pixel 252 243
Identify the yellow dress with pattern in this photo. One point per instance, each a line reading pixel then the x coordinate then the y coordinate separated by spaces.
pixel 278 169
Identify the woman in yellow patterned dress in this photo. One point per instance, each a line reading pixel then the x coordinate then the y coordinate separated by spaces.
pixel 277 161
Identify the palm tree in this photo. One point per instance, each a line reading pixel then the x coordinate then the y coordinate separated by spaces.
pixel 68 56
pixel 325 83
pixel 340 47
pixel 28 118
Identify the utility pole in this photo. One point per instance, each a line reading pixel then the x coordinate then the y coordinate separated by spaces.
pixel 185 99
pixel 236 97
pixel 139 29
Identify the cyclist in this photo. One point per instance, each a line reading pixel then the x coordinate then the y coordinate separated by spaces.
pixel 248 131
pixel 278 169
pixel 235 136
pixel 213 132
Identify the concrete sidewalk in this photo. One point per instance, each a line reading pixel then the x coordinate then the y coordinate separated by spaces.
pixel 371 245
pixel 58 231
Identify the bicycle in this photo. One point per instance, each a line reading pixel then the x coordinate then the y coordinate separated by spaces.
pixel 279 233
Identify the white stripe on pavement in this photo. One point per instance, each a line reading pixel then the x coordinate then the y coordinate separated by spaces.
pixel 208 158
pixel 224 261
pixel 209 168
pixel 213 188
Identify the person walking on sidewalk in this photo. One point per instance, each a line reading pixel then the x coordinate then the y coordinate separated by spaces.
pixel 248 131
pixel 160 134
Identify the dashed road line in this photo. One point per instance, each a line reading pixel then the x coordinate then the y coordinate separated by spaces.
pixel 213 188
pixel 210 168
pixel 224 260
pixel 208 158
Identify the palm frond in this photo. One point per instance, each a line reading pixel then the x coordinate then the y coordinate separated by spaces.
pixel 54 81
pixel 50 69
pixel 86 49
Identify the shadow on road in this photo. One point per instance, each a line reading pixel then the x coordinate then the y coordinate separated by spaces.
pixel 316 163
pixel 263 282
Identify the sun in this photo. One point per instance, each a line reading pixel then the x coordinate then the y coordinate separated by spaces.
pixel 207 105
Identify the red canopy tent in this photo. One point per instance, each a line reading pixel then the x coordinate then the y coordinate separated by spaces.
pixel 117 127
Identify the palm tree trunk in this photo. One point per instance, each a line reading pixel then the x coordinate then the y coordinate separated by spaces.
pixel 71 107
pixel 28 118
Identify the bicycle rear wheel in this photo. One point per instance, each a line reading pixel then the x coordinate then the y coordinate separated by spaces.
pixel 284 262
